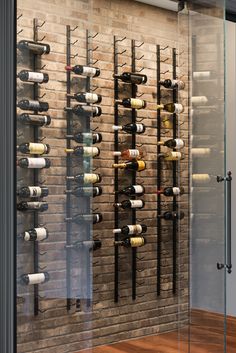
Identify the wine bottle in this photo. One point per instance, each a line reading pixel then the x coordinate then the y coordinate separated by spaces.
pixel 86 137
pixel 34 234
pixel 203 100
pixel 84 70
pixel 131 229
pixel 171 107
pixel 39 206
pixel 86 178
pixel 173 143
pixel 130 204
pixel 87 110
pixel 130 128
pixel 86 97
pixel 33 191
pixel 170 216
pixel 171 191
pixel 87 244
pixel 129 154
pixel 133 103
pixel 84 151
pixel 132 165
pixel 132 77
pixel 33 148
pixel 201 152
pixel 35 47
pixel 34 163
pixel 171 156
pixel 28 104
pixel 201 178
pixel 173 84
pixel 94 218
pixel 31 76
pixel 204 75
pixel 34 278
pixel 86 191
pixel 132 242
pixel 132 190
pixel 34 119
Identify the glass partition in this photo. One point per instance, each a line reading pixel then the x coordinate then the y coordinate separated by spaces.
pixel 201 24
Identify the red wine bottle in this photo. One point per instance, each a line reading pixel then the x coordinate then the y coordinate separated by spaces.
pixel 27 104
pixel 87 97
pixel 34 119
pixel 132 190
pixel 87 110
pixel 39 206
pixel 84 218
pixel 35 47
pixel 130 204
pixel 131 229
pixel 170 216
pixel 86 178
pixel 132 242
pixel 133 103
pixel 132 77
pixel 34 163
pixel 33 191
pixel 81 191
pixel 84 151
pixel 131 128
pixel 86 137
pixel 31 76
pixel 84 70
pixel 171 191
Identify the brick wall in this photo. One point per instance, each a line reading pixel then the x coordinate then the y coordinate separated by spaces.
pixel 57 330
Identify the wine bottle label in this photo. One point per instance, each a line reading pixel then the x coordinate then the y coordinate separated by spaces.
pixel 35 76
pixel 136 103
pixel 134 153
pixel 177 83
pixel 135 229
pixel 41 233
pixel 36 278
pixel 178 108
pixel 91 97
pixel 139 127
pixel 89 71
pixel 179 143
pixel 136 203
pixel 37 47
pixel 91 178
pixel 173 156
pixel 201 178
pixel 199 100
pixel 201 151
pixel 39 118
pixel 35 191
pixel 136 241
pixel 201 74
pixel 138 189
pixel 90 151
pixel 116 127
pixel 34 104
pixel 176 191
pixel 37 148
pixel 36 162
pixel 141 165
pixel 27 236
pixel 34 205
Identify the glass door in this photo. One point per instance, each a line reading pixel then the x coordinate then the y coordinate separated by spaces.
pixel 202 27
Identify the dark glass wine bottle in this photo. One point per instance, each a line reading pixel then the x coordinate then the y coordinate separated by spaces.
pixel 39 206
pixel 133 103
pixel 90 245
pixel 84 151
pixel 86 178
pixel 84 70
pixel 83 218
pixel 93 191
pixel 34 119
pixel 173 143
pixel 132 77
pixel 86 137
pixel 86 97
pixel 131 229
pixel 33 148
pixel 35 47
pixel 173 84
pixel 87 110
pixel 170 216
pixel 171 191
pixel 34 234
pixel 132 242
pixel 33 191
pixel 130 204
pixel 132 190
pixel 31 76
pixel 131 165
pixel 34 163
pixel 28 104
pixel 34 278
pixel 131 128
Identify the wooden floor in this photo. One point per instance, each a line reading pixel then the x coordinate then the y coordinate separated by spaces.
pixel 205 335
